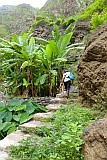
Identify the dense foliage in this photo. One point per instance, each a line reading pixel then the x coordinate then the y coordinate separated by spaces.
pixel 96 13
pixel 15 112
pixel 33 66
pixel 63 140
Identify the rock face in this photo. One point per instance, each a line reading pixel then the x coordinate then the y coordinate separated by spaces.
pixel 43 30
pixel 16 19
pixel 92 70
pixel 95 138
pixel 82 29
pixel 59 7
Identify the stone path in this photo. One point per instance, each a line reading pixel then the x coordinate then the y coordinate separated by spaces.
pixel 15 137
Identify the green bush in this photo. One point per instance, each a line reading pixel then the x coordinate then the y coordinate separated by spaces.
pixel 96 21
pixel 58 21
pixel 96 13
pixel 16 112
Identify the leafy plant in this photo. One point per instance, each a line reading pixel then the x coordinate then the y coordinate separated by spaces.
pixel 16 112
pixel 96 13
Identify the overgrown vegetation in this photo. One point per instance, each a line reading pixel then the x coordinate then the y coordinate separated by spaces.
pixel 63 141
pixel 15 112
pixel 33 66
pixel 96 13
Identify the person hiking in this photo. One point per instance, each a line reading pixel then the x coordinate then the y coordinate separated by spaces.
pixel 67 82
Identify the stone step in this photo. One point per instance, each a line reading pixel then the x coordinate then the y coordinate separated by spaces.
pixel 53 107
pixel 39 116
pixel 12 139
pixel 3 155
pixel 58 101
pixel 33 124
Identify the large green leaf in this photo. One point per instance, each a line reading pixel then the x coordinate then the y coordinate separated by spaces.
pixel 48 53
pixel 41 40
pixel 43 78
pixel 43 59
pixel 25 102
pixel 24 55
pixel 14 102
pixel 2 106
pixel 20 108
pixel 7 126
pixel 2 125
pixel 5 42
pixel 25 117
pixel 24 64
pixel 61 59
pixel 54 48
pixel 11 108
pixel 31 47
pixel 64 40
pixel 2 114
pixel 37 81
pixel 17 117
pixel 8 116
pixel 30 108
pixel 24 39
pixel 11 129
pixel 14 38
pixel 54 72
pixel 55 33
pixel 7 50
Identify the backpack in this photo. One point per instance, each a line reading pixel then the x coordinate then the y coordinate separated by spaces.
pixel 71 76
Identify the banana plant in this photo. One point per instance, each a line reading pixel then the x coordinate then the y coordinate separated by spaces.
pixel 19 55
pixel 53 56
pixel 26 62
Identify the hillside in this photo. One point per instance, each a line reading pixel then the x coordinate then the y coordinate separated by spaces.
pixel 59 8
pixel 16 19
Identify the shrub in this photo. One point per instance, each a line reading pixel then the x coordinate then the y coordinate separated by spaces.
pixel 16 112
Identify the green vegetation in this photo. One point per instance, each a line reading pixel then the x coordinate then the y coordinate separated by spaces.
pixel 33 67
pixel 30 66
pixel 16 112
pixel 96 13
pixel 16 19
pixel 63 141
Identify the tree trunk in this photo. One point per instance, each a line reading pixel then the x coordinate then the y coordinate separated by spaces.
pixel 50 85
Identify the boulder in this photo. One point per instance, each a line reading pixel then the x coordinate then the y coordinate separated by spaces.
pixel 92 70
pixel 95 141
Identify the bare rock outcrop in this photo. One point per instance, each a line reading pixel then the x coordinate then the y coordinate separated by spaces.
pixel 82 30
pixel 92 70
pixel 95 141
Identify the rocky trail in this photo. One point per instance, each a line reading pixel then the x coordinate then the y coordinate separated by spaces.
pixel 14 138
